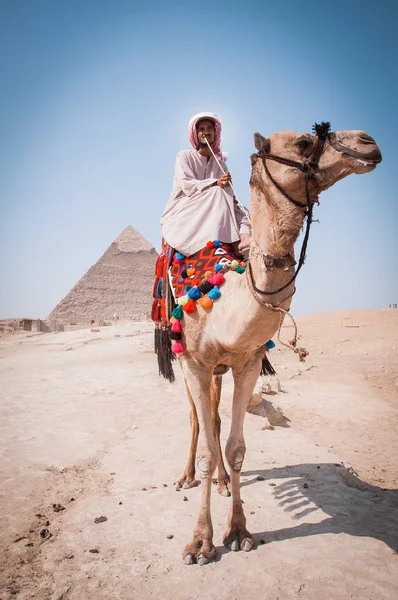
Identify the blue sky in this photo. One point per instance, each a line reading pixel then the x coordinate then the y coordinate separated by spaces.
pixel 95 101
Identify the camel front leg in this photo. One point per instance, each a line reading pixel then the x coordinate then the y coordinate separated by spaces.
pixel 215 396
pixel 237 536
pixel 187 480
pixel 201 549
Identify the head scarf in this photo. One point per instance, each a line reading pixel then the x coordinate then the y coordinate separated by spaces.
pixel 193 134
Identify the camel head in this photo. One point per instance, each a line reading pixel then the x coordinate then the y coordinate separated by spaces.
pixel 323 159
pixel 292 169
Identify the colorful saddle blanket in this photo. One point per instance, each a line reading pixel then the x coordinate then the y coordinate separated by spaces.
pixel 184 273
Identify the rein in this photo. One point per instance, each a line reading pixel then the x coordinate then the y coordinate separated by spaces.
pixel 309 168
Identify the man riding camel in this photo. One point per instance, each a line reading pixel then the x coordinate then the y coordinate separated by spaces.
pixel 202 206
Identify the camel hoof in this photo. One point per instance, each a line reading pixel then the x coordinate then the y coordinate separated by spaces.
pixel 186 486
pixel 202 560
pixel 226 493
pixel 188 560
pixel 246 545
pixel 234 546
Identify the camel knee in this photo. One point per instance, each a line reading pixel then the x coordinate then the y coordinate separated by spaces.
pixel 235 457
pixel 206 464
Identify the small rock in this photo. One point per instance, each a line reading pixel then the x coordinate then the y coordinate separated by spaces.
pixel 100 519
pixel 58 507
pixel 95 330
pixel 260 478
pixel 262 541
pixel 252 512
pixel 143 489
pixel 185 499
pixel 170 536
pixel 70 556
pixel 305 486
pixel 165 485
pixel 94 550
pixel 28 545
pixel 45 533
pixel 273 484
pixel 120 503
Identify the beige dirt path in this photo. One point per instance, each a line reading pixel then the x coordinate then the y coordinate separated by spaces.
pixel 89 430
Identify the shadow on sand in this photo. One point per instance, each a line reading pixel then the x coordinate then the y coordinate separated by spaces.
pixel 353 506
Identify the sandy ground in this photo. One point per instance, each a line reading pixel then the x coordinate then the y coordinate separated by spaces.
pixel 89 430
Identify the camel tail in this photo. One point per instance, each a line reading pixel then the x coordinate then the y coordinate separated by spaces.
pixel 165 354
pixel 266 367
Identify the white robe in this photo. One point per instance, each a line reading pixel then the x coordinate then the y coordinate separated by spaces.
pixel 197 211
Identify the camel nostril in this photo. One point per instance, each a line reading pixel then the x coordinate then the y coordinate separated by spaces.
pixel 364 138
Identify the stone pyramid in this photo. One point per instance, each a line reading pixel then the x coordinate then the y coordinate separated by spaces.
pixel 119 283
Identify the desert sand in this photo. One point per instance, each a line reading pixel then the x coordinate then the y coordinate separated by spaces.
pixel 89 430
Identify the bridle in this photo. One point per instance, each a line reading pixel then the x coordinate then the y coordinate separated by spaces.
pixel 309 168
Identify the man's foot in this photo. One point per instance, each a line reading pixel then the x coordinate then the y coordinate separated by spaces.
pixel 245 241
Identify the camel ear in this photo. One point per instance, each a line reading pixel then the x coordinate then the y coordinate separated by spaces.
pixel 261 143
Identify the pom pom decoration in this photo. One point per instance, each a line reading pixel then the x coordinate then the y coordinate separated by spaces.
pixel 218 267
pixel 194 293
pixel 205 287
pixel 234 264
pixel 205 302
pixel 172 320
pixel 189 306
pixel 177 347
pixel 208 274
pixel 240 269
pixel 210 245
pixel 182 300
pixel 176 326
pixel 216 244
pixel 214 293
pixel 190 272
pixel 270 344
pixel 177 312
pixel 179 256
pixel 175 335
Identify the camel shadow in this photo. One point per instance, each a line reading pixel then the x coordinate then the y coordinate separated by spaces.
pixel 354 507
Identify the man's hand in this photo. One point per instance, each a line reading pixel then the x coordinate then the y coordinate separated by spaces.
pixel 225 180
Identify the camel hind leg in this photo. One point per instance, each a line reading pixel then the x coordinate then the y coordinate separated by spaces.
pixel 187 480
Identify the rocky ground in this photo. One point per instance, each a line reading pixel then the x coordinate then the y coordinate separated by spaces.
pixel 92 442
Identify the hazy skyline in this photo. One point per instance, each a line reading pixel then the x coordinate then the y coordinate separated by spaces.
pixel 95 102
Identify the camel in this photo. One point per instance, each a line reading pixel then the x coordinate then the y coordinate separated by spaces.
pixel 289 172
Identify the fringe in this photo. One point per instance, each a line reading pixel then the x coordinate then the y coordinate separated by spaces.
pixel 164 353
pixel 266 367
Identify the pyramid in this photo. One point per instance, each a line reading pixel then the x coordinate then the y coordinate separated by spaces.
pixel 119 283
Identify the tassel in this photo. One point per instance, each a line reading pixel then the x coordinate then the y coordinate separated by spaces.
pixel 270 344
pixel 182 300
pixel 266 367
pixel 176 326
pixel 177 347
pixel 210 245
pixel 240 269
pixel 194 293
pixel 178 256
pixel 208 274
pixel 189 306
pixel 164 354
pixel 177 312
pixel 205 287
pixel 214 293
pixel 218 267
pixel 174 335
pixel 190 272
pixel 234 264
pixel 216 244
pixel 205 302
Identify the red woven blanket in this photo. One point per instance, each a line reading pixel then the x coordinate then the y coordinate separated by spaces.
pixel 185 272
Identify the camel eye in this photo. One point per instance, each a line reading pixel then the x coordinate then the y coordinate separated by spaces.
pixel 304 143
